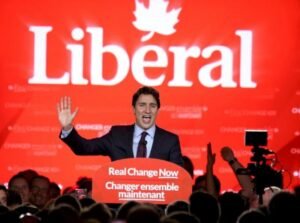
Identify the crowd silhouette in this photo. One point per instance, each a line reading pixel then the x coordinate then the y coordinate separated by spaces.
pixel 30 197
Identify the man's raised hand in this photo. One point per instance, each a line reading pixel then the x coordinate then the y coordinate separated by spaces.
pixel 65 114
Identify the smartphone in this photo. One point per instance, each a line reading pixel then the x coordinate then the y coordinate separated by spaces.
pixel 81 193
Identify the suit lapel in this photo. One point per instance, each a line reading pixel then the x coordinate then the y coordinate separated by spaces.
pixel 157 139
pixel 129 141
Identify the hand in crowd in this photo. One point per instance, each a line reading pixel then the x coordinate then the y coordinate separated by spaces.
pixel 211 157
pixel 227 153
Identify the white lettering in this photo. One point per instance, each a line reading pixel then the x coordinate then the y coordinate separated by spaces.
pixel 40 57
pixel 116 172
pixel 180 58
pixel 225 63
pixel 97 51
pixel 77 59
pixel 139 62
pixel 147 173
pixel 246 59
pixel 163 173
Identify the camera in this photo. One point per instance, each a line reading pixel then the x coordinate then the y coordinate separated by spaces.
pixel 256 137
pixel 263 174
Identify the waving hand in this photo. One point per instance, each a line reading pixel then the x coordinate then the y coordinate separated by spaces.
pixel 65 114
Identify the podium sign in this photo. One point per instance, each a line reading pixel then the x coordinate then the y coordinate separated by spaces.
pixel 141 179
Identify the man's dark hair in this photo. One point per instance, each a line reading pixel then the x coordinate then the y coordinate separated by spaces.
pixel 40 177
pixel 146 90
pixel 14 177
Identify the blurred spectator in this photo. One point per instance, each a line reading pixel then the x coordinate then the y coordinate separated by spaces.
pixel 20 184
pixel 29 174
pixel 86 202
pixel 54 190
pixel 124 209
pixel 143 213
pixel 188 165
pixel 98 211
pixel 232 205
pixel 179 205
pixel 284 206
pixel 182 217
pixel 252 216
pixel 205 206
pixel 85 183
pixel 68 200
pixel 13 199
pixel 39 191
pixel 63 214
pixel 3 195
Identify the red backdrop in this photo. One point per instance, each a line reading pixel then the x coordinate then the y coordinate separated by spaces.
pixel 221 67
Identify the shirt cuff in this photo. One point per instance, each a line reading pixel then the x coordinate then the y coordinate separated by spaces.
pixel 65 133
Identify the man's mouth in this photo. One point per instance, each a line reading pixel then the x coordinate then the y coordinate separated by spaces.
pixel 146 118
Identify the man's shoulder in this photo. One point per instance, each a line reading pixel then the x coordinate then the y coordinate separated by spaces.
pixel 120 128
pixel 165 132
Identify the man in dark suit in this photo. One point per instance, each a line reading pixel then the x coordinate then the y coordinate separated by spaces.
pixel 123 141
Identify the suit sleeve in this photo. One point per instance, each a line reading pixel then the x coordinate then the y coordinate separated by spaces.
pixel 175 153
pixel 83 146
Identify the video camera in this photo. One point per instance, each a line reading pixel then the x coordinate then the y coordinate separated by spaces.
pixel 264 175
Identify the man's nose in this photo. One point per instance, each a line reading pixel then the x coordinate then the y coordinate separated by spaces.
pixel 148 108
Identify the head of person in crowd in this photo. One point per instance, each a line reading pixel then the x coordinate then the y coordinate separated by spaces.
pixel 143 213
pixel 284 206
pixel 68 199
pixel 20 184
pixel 63 214
pixel 14 199
pixel 252 215
pixel 296 190
pixel 181 217
pixel 268 193
pixel 28 174
pixel 39 191
pixel 54 190
pixel 178 205
pixel 124 208
pixel 3 195
pixel 98 211
pixel 200 183
pixel 188 165
pixel 205 206
pixel 232 205
pixel 85 183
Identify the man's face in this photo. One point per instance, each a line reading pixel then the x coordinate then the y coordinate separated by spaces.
pixel 21 186
pixel 3 198
pixel 39 192
pixel 145 111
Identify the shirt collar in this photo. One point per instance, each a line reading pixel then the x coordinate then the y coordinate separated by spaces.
pixel 138 130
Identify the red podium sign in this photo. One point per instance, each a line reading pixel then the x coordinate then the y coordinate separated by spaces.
pixel 141 179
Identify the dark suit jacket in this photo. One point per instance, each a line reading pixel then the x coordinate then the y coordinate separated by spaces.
pixel 117 144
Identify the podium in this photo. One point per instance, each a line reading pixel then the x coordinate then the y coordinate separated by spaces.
pixel 141 179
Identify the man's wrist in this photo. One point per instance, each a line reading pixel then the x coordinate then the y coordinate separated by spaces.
pixel 67 127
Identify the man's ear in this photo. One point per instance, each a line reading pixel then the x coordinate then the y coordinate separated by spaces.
pixel 133 109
